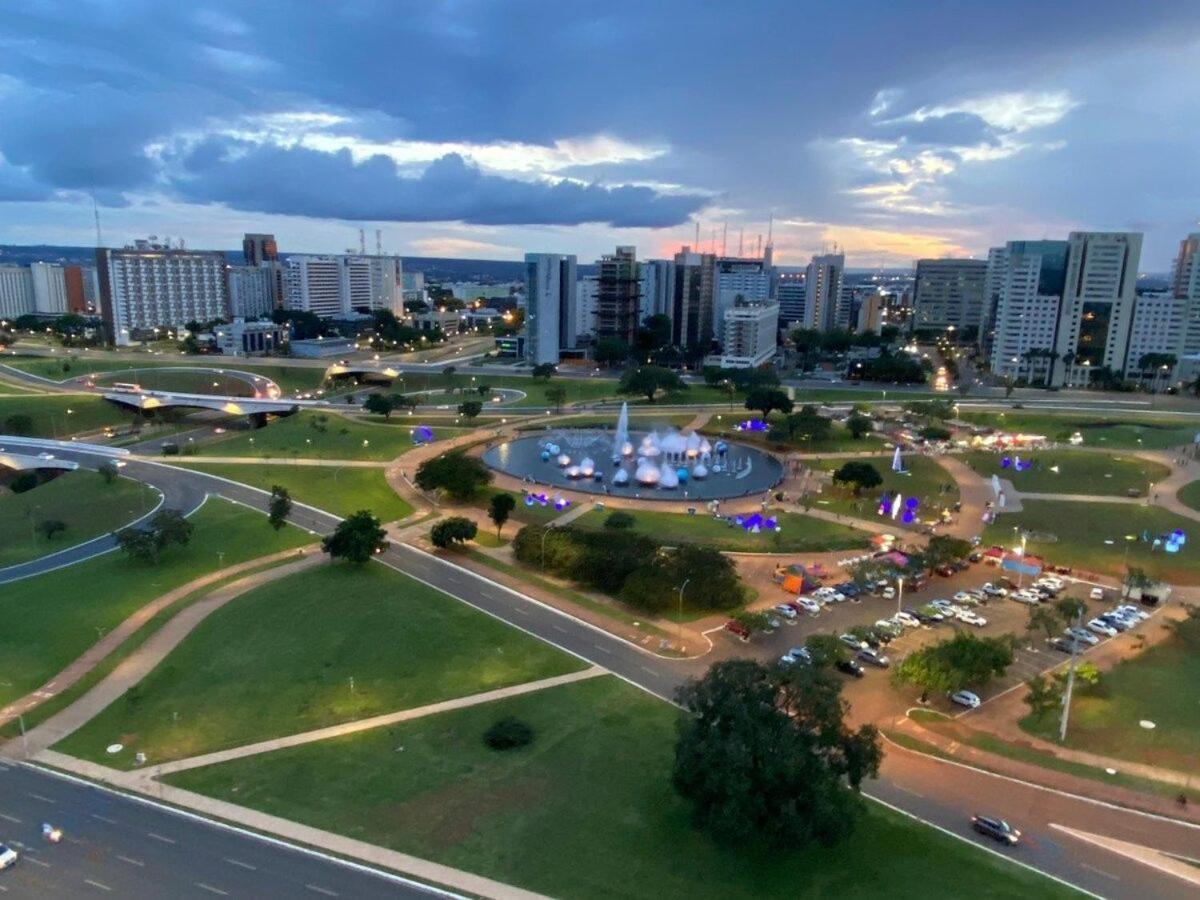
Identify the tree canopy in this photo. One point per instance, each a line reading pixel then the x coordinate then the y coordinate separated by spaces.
pixel 647 381
pixel 858 475
pixel 356 539
pixel 766 400
pixel 964 660
pixel 280 506
pixel 458 475
pixel 146 542
pixel 500 507
pixel 453 531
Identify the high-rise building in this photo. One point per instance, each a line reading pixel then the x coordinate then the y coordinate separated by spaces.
pixel 585 305
pixel 251 291
pixel 749 279
pixel 1098 303
pixel 1158 327
pixel 1029 281
pixel 617 301
pixel 657 288
pixel 551 306
pixel 1185 284
pixel 992 278
pixel 870 313
pixel 340 286
pixel 949 293
pixel 791 292
pixel 750 334
pixel 259 248
pixel 16 292
pixel 49 288
pixel 823 290
pixel 692 309
pixel 151 286
pixel 75 280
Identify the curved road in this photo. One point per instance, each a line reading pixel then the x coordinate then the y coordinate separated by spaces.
pixel 937 792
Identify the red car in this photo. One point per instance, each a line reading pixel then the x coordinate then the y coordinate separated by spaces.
pixel 738 629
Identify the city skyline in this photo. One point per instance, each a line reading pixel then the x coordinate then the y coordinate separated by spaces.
pixel 902 134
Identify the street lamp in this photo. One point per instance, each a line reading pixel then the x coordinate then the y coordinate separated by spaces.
pixel 679 621
pixel 899 592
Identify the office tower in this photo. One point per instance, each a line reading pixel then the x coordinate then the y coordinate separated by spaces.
pixel 259 248
pixel 749 279
pixel 585 305
pixel 1158 327
pixel 550 306
pixel 340 286
pixel 1097 304
pixel 1029 282
pixel 251 291
pixel 414 287
pixel 790 292
pixel 1185 284
pixel 16 292
pixel 870 313
pixel 49 288
pixel 656 288
pixel 823 290
pixel 750 334
pixel 691 318
pixel 617 295
pixel 996 262
pixel 949 294
pixel 75 282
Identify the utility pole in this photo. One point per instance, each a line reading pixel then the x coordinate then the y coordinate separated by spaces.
pixel 1066 702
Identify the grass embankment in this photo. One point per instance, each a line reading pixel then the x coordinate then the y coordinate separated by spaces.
pixel 50 619
pixel 1074 533
pixel 1078 472
pixel 593 795
pixel 289 378
pixel 1189 494
pixel 60 416
pixel 341 490
pixel 924 479
pixel 82 500
pixel 319 435
pixel 1114 431
pixel 328 645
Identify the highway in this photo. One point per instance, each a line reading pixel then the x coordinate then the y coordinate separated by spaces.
pixel 937 792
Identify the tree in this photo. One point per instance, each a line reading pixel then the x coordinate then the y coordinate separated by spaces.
pixel 1071 609
pixel 764 754
pixel 356 539
pixel 858 475
pixel 19 424
pixel 458 475
pixel 610 351
pixel 1045 619
pixel 499 509
pixel 936 433
pixel 858 425
pixel 767 400
pixel 108 471
pixel 470 408
pixel 146 542
pixel 557 395
pixel 379 404
pixel 280 506
pixel 544 371
pixel 943 549
pixel 51 527
pixel 953 664
pixel 453 531
pixel 825 649
pixel 403 401
pixel 647 381
pixel 808 424
pixel 1043 695
pixel 619 520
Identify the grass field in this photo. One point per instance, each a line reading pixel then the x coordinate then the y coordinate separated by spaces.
pixel 184 381
pixel 341 490
pixel 800 534
pixel 1116 432
pixel 280 660
pixel 839 440
pixel 1189 494
pixel 592 794
pixel 1079 472
pixel 60 416
pixel 81 500
pixel 289 378
pixel 925 479
pixel 1160 685
pixel 50 619
pixel 316 435
pixel 1074 534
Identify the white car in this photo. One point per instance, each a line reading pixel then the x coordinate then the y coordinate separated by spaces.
pixel 994 590
pixel 1099 626
pixel 889 593
pixel 1081 635
pixel 964 597
pixel 852 642
pixel 8 856
pixel 966 698
pixel 1097 593
pixel 1026 597
pixel 1133 611
pixel 970 617
pixel 906 619
pixel 789 614
pixel 808 604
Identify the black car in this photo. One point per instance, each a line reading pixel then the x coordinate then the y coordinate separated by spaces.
pixel 945 571
pixel 849 667
pixel 996 828
pixel 1066 645
pixel 848 588
pixel 975 556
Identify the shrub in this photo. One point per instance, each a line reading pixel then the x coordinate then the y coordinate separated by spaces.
pixel 619 520
pixel 508 734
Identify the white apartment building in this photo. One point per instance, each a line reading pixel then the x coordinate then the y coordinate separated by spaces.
pixel 1159 321
pixel 340 286
pixel 16 292
pixel 656 288
pixel 153 287
pixel 1028 280
pixel 251 291
pixel 587 292
pixel 749 279
pixel 750 335
pixel 823 291
pixel 49 288
pixel 1185 284
pixel 551 306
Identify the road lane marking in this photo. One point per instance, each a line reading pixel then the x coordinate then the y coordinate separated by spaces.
pixel 602 649
pixel 97 884
pixel 40 797
pixel 211 889
pixel 238 862
pixel 103 818
pixel 12 819
pixel 159 837
pixel 908 791
pixel 1099 871
pixel 559 628
pixel 37 862
pixel 321 890
pixel 131 861
pixel 521 610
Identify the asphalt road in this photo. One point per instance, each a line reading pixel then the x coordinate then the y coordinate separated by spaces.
pixel 114 845
pixel 937 792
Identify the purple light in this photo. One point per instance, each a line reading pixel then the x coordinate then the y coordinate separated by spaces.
pixel 1005 463
pixel 751 425
pixel 422 434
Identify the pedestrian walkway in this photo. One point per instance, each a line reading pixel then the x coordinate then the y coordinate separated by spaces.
pixel 345 728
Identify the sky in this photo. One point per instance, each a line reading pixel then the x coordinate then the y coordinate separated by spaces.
pixel 488 128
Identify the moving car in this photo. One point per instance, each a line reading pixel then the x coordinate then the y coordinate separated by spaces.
pixel 8 856
pixel 874 657
pixel 849 667
pixel 966 698
pixel 996 828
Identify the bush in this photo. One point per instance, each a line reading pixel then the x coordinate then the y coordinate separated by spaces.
pixel 508 734
pixel 23 481
pixel 619 520
pixel 453 531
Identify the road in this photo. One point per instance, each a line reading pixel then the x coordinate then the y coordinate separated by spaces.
pixel 937 792
pixel 116 845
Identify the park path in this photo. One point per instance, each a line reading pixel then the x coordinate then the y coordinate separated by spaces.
pixel 107 644
pixel 141 661
pixel 353 727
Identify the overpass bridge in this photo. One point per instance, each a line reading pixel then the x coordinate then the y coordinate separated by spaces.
pixel 24 462
pixel 363 371
pixel 150 401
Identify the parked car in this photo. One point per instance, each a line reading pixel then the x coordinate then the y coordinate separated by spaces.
pixel 888 627
pixel 1097 593
pixel 1027 597
pixel 849 667
pixel 808 604
pixel 966 698
pixel 1115 621
pixel 8 856
pixel 848 588
pixel 1081 634
pixel 795 655
pixel 996 828
pixel 1099 626
pixel 852 642
pixel 945 570
pixel 1134 611
pixel 787 611
pixel 874 657
pixel 971 617
pixel 931 614
pixel 994 590
pixel 906 619
pixel 1066 645
pixel 975 556
pixel 737 629
pixel 889 593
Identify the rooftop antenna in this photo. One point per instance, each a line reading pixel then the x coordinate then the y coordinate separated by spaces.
pixel 379 242
pixel 362 242
pixel 96 213
pixel 724 237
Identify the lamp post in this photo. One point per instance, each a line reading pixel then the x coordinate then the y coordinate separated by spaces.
pixel 1066 701
pixel 899 592
pixel 1021 570
pixel 679 621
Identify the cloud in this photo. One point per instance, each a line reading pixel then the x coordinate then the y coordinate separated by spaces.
pixel 300 181
pixel 464 248
pixel 17 185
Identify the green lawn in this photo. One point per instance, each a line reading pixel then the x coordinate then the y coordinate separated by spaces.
pixel 838 441
pixel 1160 685
pixel 316 435
pixel 289 378
pixel 1116 432
pixel 586 811
pixel 925 479
pixel 184 381
pixel 1189 494
pixel 800 534
pixel 1079 472
pixel 60 416
pixel 1074 534
pixel 81 500
pixel 280 660
pixel 341 490
pixel 49 620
